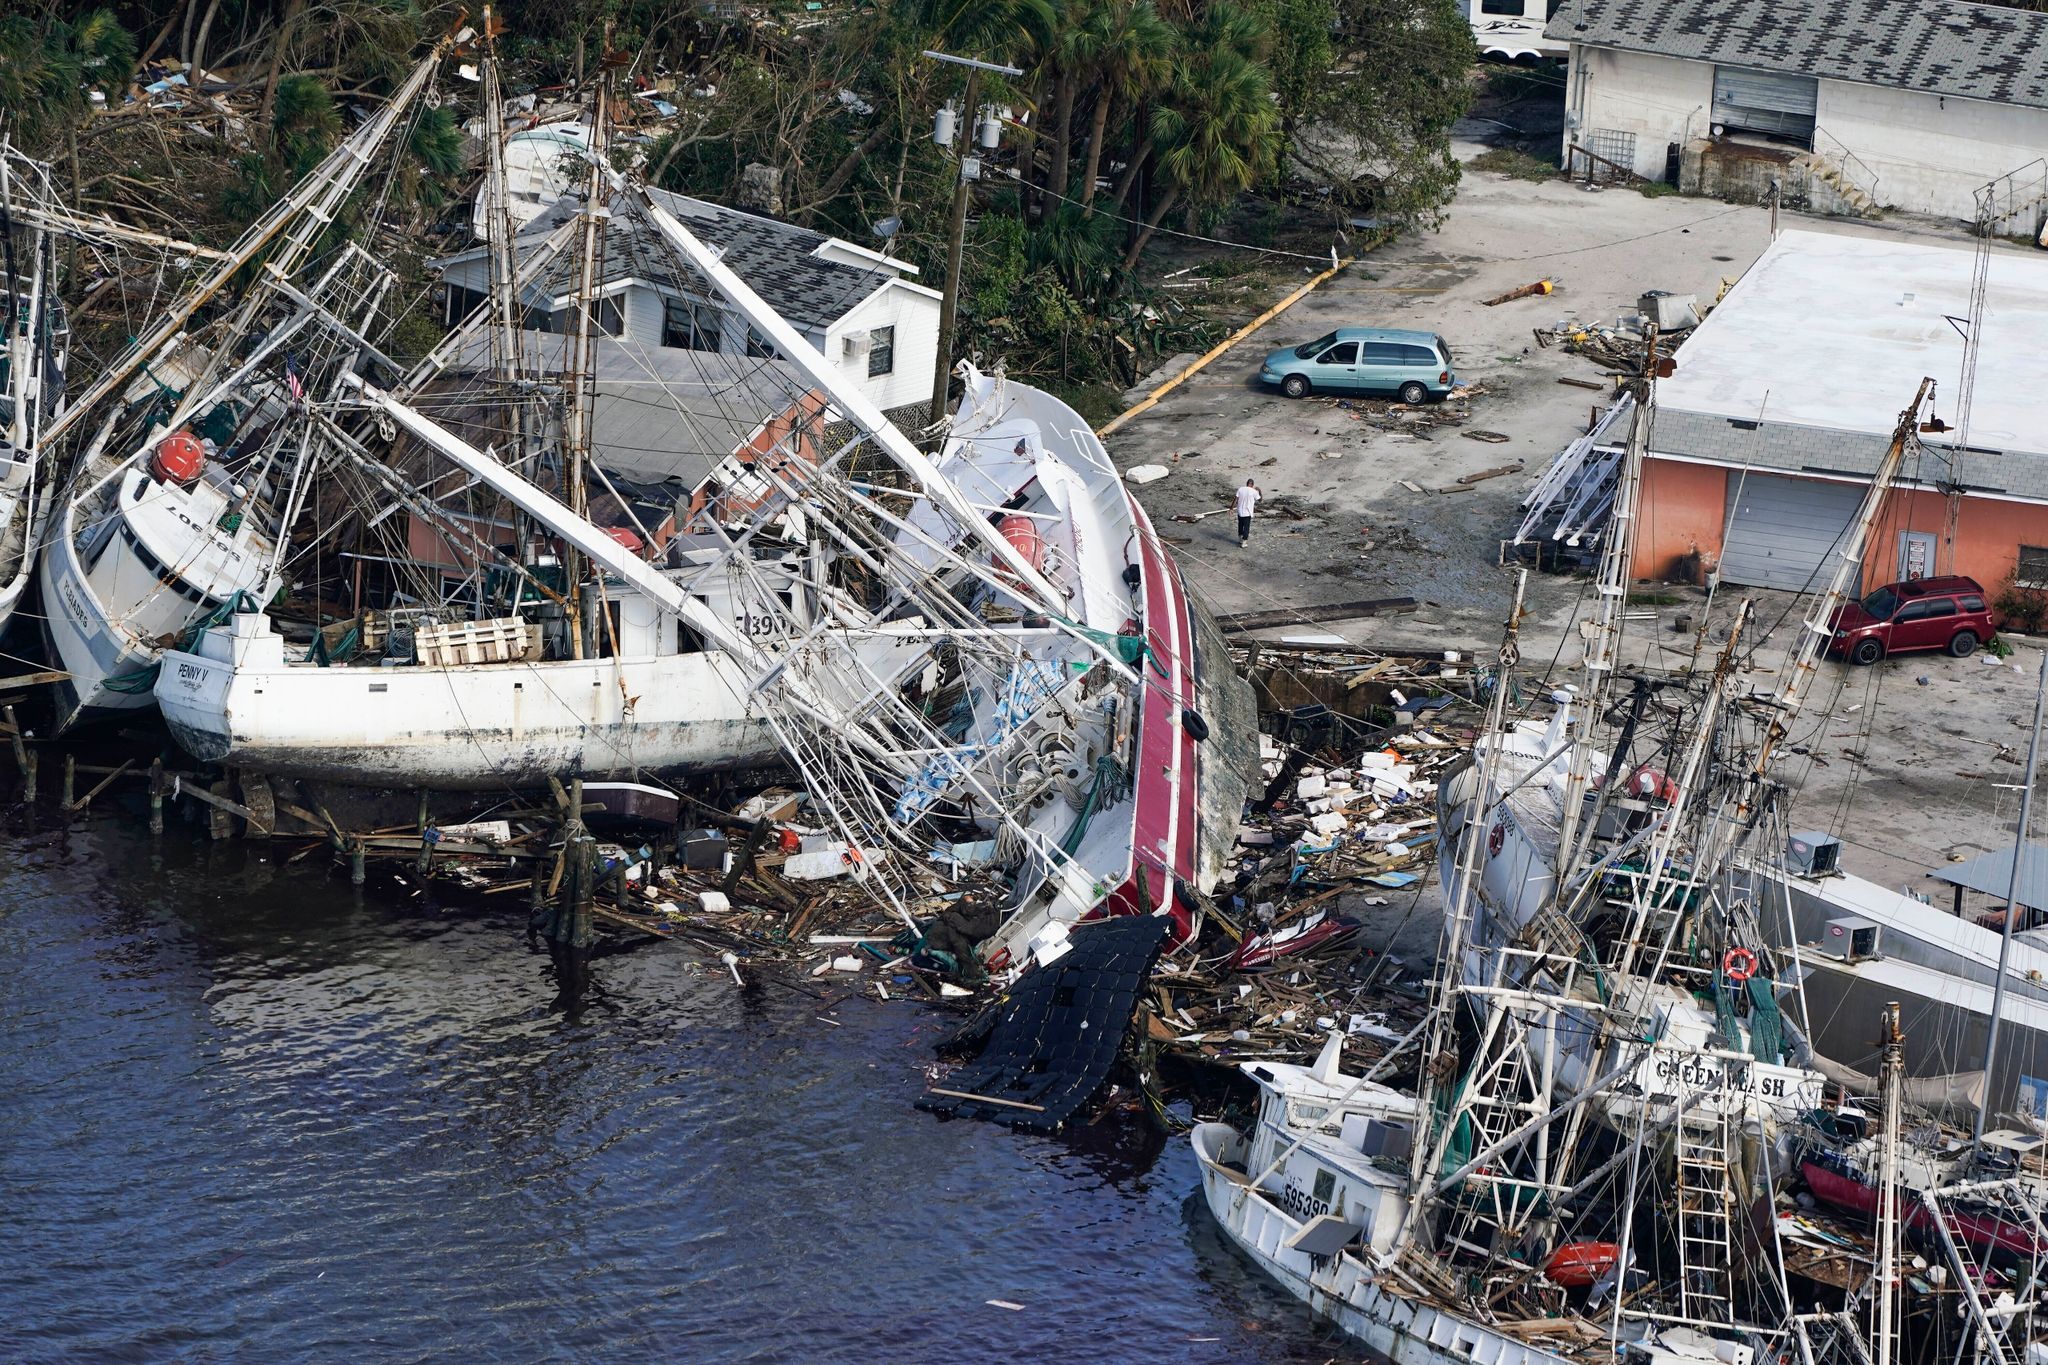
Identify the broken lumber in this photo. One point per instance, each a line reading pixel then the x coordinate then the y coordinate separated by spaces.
pixel 1483 475
pixel 1527 291
pixel 1314 615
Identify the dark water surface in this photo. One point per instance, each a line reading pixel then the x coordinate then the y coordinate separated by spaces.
pixel 246 1111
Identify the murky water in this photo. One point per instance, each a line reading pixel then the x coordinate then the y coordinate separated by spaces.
pixel 246 1111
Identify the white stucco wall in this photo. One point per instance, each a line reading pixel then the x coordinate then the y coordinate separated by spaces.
pixel 1930 153
pixel 914 312
pixel 1661 100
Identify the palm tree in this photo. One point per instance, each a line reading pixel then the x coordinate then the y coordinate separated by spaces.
pixel 1215 135
pixel 1222 28
pixel 1132 51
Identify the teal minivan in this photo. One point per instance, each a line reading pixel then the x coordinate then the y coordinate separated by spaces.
pixel 1412 366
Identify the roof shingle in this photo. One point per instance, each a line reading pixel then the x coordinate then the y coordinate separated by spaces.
pixel 1937 47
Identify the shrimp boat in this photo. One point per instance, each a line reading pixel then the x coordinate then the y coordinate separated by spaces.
pixel 986 649
pixel 1609 1078
pixel 197 439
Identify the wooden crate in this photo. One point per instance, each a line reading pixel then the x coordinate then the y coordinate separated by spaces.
pixel 477 642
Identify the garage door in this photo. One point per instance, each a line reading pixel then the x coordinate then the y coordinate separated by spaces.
pixel 1786 533
pixel 1765 102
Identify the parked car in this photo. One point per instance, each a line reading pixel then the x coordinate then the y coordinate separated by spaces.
pixel 1413 366
pixel 1905 618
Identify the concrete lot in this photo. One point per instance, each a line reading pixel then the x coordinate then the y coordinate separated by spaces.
pixel 1911 776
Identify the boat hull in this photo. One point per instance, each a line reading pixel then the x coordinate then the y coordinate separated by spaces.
pixel 86 645
pixel 471 728
pixel 1404 1330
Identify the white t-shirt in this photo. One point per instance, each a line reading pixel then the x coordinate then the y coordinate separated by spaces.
pixel 1247 498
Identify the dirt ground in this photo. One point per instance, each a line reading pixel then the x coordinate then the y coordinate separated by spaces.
pixel 1913 775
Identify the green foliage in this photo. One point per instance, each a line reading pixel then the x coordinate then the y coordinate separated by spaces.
pixel 49 66
pixel 2021 608
pixel 304 124
pixel 437 141
pixel 1218 132
pixel 1519 165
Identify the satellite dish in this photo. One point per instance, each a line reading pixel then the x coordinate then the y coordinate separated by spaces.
pixel 888 227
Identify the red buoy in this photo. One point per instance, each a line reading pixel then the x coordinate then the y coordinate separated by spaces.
pixel 1022 533
pixel 1575 1265
pixel 178 459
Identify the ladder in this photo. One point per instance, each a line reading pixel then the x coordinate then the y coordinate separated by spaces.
pixel 1705 1203
pixel 1498 1102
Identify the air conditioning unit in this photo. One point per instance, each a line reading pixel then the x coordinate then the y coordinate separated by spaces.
pixel 855 345
pixel 1376 1137
pixel 1811 853
pixel 1852 940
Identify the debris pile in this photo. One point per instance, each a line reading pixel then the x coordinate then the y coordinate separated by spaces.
pixel 1416 418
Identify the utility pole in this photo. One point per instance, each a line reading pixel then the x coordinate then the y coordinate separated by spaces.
pixel 944 132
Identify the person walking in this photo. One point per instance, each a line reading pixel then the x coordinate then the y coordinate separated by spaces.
pixel 1247 499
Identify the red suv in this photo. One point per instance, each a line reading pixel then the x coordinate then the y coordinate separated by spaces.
pixel 1902 618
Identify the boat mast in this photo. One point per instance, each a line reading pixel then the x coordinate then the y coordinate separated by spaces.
pixel 307 210
pixel 1440 1049
pixel 498 222
pixel 1603 644
pixel 2012 887
pixel 578 391
pixel 1891 1080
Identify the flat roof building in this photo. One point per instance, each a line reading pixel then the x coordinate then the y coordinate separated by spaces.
pixel 1765 439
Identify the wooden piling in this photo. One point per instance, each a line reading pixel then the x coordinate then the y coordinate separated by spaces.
pixel 426 855
pixel 70 779
pixel 156 796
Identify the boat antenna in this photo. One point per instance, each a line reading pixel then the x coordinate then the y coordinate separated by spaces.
pixel 2012 886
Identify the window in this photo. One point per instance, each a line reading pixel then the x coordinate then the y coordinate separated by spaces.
pixel 1303 352
pixel 1510 7
pixel 1417 355
pixel 759 346
pixel 1924 609
pixel 1326 1185
pixel 2033 567
pixel 1385 353
pixel 1344 354
pixel 1973 603
pixel 689 326
pixel 881 352
pixel 459 303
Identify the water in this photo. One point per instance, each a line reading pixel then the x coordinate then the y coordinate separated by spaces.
pixel 245 1110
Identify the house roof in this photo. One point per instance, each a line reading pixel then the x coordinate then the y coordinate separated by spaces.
pixel 1938 47
pixel 1807 362
pixel 660 413
pixel 777 260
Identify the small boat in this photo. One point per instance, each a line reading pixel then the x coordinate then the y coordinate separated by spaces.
pixel 1316 1195
pixel 1578 1265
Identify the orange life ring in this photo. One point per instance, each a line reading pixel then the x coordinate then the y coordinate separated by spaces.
pixel 1740 965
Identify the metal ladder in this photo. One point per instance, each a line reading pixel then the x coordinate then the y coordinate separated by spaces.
pixel 1705 1201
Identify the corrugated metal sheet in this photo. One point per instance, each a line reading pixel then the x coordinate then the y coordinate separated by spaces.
pixel 1785 532
pixel 1765 101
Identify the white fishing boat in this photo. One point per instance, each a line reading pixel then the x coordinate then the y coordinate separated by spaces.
pixel 196 446
pixel 1316 1195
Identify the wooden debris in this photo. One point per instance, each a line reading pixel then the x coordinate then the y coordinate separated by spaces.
pixel 1494 473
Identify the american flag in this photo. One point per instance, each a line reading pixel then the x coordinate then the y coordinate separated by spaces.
pixel 291 380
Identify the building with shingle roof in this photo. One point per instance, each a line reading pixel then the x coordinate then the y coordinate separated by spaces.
pixel 1783 402
pixel 1932 106
pixel 863 310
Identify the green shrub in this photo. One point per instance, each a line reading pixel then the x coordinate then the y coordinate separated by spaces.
pixel 1518 165
pixel 2019 608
